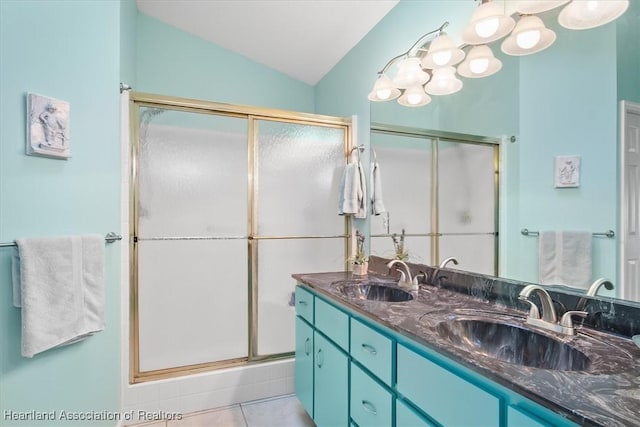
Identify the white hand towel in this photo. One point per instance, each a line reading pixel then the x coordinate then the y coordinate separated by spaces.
pixel 348 199
pixel 62 283
pixel 377 205
pixel 565 258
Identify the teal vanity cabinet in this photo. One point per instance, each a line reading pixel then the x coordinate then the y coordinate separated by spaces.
pixel 322 365
pixel 353 371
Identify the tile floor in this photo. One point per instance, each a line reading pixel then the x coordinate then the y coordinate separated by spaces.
pixel 283 411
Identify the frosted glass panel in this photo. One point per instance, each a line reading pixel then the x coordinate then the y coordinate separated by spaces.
pixel 192 174
pixel 466 187
pixel 193 299
pixel 419 248
pixel 277 260
pixel 299 172
pixel 405 168
pixel 474 253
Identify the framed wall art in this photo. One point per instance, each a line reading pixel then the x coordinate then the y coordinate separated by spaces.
pixel 567 171
pixel 48 127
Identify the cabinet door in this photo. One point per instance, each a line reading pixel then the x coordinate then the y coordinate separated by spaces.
pixel 518 418
pixel 331 380
pixel 304 365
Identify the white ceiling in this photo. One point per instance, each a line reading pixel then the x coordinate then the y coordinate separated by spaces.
pixel 301 38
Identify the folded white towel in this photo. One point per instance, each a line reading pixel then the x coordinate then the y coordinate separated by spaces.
pixel 62 284
pixel 565 258
pixel 348 199
pixel 377 205
pixel 362 194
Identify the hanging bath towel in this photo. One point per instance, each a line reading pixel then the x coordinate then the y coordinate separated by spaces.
pixel 62 287
pixel 565 258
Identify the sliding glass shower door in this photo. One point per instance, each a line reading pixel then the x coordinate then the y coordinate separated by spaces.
pixel 226 204
pixel 191 239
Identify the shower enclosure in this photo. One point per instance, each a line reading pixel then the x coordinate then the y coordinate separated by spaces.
pixel 441 188
pixel 226 203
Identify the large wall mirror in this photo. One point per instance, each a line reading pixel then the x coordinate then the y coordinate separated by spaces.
pixel 563 101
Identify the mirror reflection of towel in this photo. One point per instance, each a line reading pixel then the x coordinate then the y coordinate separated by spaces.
pixel 565 258
pixel 377 205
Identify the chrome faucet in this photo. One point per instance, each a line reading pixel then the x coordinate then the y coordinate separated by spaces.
pixel 406 281
pixel 595 286
pixel 442 265
pixel 548 320
pixel 444 262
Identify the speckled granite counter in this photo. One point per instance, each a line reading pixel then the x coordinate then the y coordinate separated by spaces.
pixel 607 393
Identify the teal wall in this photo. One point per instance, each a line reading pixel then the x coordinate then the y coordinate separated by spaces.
pixel 628 40
pixel 128 41
pixel 173 62
pixel 67 50
pixel 582 121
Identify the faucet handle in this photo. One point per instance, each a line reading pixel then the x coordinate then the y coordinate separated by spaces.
pixel 567 320
pixel 422 274
pixel 534 313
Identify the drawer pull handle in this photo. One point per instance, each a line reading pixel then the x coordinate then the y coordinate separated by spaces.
pixel 368 406
pixel 303 303
pixel 306 346
pixel 369 349
pixel 320 358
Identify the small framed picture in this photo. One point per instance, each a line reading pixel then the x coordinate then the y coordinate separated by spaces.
pixel 47 127
pixel 567 171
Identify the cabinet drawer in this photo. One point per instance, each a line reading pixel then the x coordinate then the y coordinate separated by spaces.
pixel 442 395
pixel 304 304
pixel 407 417
pixel 372 349
pixel 371 404
pixel 332 322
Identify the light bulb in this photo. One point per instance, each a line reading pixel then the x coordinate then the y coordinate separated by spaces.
pixel 528 39
pixel 414 98
pixel 592 5
pixel 383 93
pixel 479 65
pixel 442 58
pixel 487 27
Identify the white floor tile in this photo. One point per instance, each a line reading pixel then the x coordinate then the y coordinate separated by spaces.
pixel 279 412
pixel 227 417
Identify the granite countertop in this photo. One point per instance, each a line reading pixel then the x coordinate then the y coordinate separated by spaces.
pixel 607 393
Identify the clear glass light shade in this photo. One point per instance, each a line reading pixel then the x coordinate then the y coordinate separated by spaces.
pixel 529 36
pixel 383 90
pixel 480 62
pixel 442 53
pixel 488 24
pixel 410 74
pixel 414 97
pixel 443 82
pixel 528 7
pixel 585 14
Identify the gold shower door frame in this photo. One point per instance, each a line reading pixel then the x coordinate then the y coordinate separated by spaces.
pixel 435 137
pixel 252 115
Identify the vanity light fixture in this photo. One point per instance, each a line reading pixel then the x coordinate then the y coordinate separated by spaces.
pixel 414 68
pixel 488 24
pixel 480 62
pixel 586 14
pixel 529 36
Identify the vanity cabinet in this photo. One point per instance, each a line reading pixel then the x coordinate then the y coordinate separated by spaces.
pixel 353 371
pixel 321 366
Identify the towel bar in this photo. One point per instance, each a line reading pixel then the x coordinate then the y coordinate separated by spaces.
pixel 609 233
pixel 109 238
